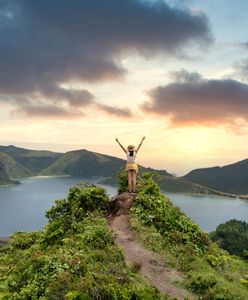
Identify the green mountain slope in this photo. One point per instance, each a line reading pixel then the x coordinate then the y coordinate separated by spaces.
pixel 87 163
pixel 210 272
pixel 10 169
pixel 179 185
pixel 231 178
pixel 34 160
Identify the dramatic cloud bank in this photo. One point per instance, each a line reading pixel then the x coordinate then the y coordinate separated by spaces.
pixel 194 100
pixel 44 44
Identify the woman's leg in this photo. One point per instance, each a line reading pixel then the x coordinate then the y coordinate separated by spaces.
pixel 130 180
pixel 134 180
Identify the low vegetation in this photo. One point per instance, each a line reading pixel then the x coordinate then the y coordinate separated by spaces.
pixel 210 272
pixel 73 258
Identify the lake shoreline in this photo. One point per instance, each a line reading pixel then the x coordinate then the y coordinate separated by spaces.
pixel 110 183
pixel 23 208
pixel 14 183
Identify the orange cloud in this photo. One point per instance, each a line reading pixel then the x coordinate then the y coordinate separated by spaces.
pixel 193 100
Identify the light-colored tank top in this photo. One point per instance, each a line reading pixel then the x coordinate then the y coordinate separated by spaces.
pixel 131 158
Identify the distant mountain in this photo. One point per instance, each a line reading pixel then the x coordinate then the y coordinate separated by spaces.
pixel 231 178
pixel 87 163
pixel 11 170
pixel 17 162
pixel 34 160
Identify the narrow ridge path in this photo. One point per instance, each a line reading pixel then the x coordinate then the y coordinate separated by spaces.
pixel 151 264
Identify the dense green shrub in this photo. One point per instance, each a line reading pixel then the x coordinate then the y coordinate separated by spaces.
pixel 211 272
pixel 223 291
pixel 23 240
pixel 74 257
pixel 199 283
pixel 154 208
pixel 213 288
pixel 232 236
pixel 82 200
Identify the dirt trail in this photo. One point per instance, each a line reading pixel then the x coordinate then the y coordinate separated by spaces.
pixel 151 264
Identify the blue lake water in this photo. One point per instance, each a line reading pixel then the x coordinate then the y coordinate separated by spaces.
pixel 210 211
pixel 23 207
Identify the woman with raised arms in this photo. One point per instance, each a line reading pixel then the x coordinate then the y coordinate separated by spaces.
pixel 131 166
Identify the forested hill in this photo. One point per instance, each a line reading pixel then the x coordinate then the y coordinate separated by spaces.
pixel 230 178
pixel 87 163
pixel 34 160
pixel 10 170
pixel 17 162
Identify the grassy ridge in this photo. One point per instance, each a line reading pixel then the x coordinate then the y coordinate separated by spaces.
pixel 211 273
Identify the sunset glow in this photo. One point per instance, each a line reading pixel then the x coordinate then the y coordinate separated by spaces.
pixel 127 70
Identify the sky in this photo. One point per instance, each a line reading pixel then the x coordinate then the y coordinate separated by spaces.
pixel 77 74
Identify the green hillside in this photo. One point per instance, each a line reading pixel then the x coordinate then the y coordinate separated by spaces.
pixel 179 185
pixel 87 163
pixel 34 160
pixel 210 272
pixel 76 257
pixel 231 178
pixel 11 170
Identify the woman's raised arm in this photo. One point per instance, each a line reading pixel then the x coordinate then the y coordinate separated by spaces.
pixel 140 143
pixel 121 145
